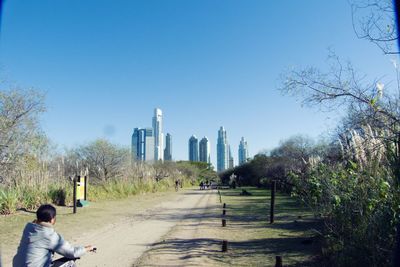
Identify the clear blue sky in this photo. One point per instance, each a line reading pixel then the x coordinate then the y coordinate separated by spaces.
pixel 105 65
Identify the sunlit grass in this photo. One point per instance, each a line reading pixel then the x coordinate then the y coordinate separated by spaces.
pixel 254 241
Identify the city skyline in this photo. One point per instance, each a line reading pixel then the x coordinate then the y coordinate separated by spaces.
pixel 144 140
pixel 103 83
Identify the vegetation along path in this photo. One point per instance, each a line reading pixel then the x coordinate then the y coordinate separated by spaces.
pixel 180 229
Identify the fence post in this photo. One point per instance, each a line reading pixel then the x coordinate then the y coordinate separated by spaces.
pixel 223 222
pixel 278 261
pixel 224 245
pixel 85 184
pixel 273 190
pixel 74 195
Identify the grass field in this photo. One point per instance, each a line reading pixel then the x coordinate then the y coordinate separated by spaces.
pixel 253 241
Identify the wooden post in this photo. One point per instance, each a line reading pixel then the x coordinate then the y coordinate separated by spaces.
pixel 223 222
pixel 74 195
pixel 224 245
pixel 273 189
pixel 278 262
pixel 85 184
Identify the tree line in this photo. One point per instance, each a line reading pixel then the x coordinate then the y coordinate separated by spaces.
pixel 33 171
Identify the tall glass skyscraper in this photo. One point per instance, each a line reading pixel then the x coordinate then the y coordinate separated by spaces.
pixel 243 151
pixel 158 135
pixel 193 148
pixel 143 145
pixel 168 147
pixel 231 162
pixel 204 150
pixel 222 150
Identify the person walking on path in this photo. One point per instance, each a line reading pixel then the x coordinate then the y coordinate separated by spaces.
pixel 39 241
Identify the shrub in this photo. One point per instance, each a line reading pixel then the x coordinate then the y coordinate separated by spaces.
pixel 8 201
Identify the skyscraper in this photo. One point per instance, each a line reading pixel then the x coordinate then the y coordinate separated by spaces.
pixel 143 145
pixel 204 150
pixel 168 147
pixel 158 134
pixel 222 150
pixel 231 163
pixel 243 151
pixel 193 148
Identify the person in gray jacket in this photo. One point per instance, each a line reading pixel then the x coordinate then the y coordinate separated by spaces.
pixel 39 241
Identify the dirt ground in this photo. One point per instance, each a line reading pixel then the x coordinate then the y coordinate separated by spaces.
pixel 178 229
pixel 122 230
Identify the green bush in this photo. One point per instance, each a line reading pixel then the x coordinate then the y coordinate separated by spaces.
pixel 58 196
pixel 8 201
pixel 359 209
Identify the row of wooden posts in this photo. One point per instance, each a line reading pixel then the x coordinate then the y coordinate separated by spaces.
pixel 278 259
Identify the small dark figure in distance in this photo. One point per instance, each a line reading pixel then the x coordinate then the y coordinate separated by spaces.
pixel 39 241
pixel 245 193
pixel 176 185
pixel 201 185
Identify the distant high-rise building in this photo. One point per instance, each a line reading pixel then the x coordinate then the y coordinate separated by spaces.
pixel 222 150
pixel 204 150
pixel 143 145
pixel 158 134
pixel 168 147
pixel 193 148
pixel 243 151
pixel 231 163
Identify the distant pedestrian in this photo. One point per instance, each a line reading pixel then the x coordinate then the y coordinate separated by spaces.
pixel 176 185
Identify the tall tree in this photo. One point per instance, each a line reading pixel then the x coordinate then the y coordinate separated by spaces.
pixel 20 132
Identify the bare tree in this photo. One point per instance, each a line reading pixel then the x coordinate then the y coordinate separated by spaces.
pixel 20 132
pixel 374 20
pixel 103 159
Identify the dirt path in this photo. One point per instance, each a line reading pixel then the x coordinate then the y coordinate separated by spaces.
pixel 181 229
pixel 124 242
pixel 194 241
pixel 121 229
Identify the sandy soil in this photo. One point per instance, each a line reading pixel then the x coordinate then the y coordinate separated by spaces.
pixel 122 230
pixel 122 243
pixel 194 241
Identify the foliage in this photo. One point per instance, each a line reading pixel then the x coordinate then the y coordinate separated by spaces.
pixel 102 159
pixel 197 171
pixel 20 133
pixel 293 155
pixel 359 207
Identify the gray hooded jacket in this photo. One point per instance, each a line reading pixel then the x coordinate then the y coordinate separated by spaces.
pixel 37 244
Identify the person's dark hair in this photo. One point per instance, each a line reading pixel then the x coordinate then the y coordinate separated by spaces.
pixel 45 213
